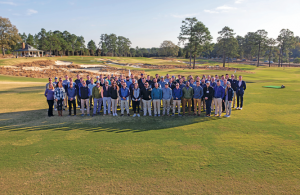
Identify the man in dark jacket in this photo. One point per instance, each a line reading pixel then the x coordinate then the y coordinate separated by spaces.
pixel 106 98
pixel 233 83
pixel 208 93
pixel 146 98
pixel 240 88
pixel 84 93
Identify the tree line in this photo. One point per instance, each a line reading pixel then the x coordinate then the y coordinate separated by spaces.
pixel 194 41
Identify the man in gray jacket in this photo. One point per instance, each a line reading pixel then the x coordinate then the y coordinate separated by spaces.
pixel 166 98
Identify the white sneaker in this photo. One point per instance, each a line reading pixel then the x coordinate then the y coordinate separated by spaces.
pixel 237 108
pixel 134 115
pixel 138 115
pixel 241 108
pixel 225 115
pixel 80 109
pixel 55 109
pixel 85 109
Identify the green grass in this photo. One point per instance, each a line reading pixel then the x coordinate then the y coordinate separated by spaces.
pixel 255 151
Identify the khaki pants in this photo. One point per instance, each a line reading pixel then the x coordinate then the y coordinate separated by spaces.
pixel 234 99
pixel 228 107
pixel 218 104
pixel 189 102
pixel 176 103
pixel 213 104
pixel 124 104
pixel 85 102
pixel 147 106
pixel 141 104
pixel 204 104
pixel 197 101
pixel 166 106
pixel 156 105
pixel 114 103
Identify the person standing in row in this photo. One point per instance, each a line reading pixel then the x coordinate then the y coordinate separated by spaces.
pixel 177 95
pixel 106 99
pixel 218 94
pixel 78 84
pixel 84 93
pixel 228 99
pixel 146 98
pixel 114 97
pixel 187 97
pixel 49 94
pixel 97 94
pixel 240 90
pixel 198 94
pixel 135 94
pixel 124 94
pixel 65 84
pixel 156 96
pixel 166 98
pixel 233 83
pixel 208 93
pixel 59 96
pixel 91 85
pixel 71 92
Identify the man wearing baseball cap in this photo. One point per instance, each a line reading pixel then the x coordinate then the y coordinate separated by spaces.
pixel 166 98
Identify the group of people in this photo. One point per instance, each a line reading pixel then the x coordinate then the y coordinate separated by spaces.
pixel 209 93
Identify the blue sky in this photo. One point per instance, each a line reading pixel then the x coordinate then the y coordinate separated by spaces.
pixel 149 23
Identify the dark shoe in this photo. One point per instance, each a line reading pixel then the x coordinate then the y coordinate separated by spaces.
pixel 93 115
pixel 122 114
pixel 195 114
pixel 198 114
pixel 173 114
pixel 128 114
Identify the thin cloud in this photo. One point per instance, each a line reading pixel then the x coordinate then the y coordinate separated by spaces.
pixel 8 3
pixel 31 11
pixel 239 1
pixel 211 11
pixel 225 8
pixel 183 15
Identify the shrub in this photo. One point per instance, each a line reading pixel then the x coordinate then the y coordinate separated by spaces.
pixel 297 61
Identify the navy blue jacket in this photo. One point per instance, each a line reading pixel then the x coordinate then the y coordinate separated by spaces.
pixel 219 92
pixel 230 94
pixel 233 84
pixel 240 90
pixel 84 92
pixel 177 93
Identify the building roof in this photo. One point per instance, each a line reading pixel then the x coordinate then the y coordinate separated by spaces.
pixel 28 48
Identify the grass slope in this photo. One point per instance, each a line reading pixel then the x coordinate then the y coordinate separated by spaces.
pixel 256 151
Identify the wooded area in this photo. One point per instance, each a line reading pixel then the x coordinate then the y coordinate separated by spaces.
pixel 195 41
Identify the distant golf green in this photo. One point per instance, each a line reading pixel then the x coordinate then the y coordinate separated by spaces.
pixel 255 151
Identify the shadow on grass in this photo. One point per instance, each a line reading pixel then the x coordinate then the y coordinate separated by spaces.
pixel 37 120
pixel 25 90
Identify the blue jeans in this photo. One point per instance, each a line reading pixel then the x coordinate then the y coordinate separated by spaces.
pixel 97 103
pixel 208 106
pixel 108 101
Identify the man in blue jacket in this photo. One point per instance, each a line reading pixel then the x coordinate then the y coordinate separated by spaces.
pixel 84 93
pixel 177 94
pixel 219 93
pixel 156 95
pixel 240 89
pixel 198 94
pixel 106 98
pixel 72 92
pixel 233 83
pixel 166 97
pixel 124 95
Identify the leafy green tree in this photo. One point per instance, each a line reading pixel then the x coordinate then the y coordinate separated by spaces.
pixel 271 49
pixel 73 40
pixel 260 39
pixel 286 42
pixel 296 61
pixel 132 52
pixel 227 44
pixel 186 34
pixel 168 48
pixel 42 40
pixel 53 42
pixel 8 34
pixel 200 41
pixel 92 47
